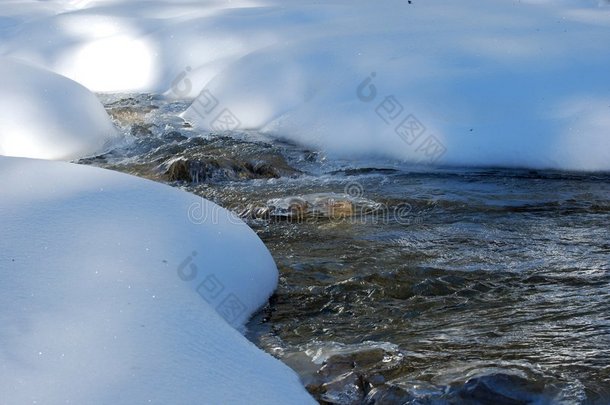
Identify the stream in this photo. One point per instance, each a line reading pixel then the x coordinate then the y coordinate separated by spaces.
pixel 400 283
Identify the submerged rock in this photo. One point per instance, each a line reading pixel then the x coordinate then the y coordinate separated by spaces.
pixel 341 374
pixel 216 169
pixel 332 208
pixel 346 389
pixel 131 110
pixel 141 130
pixel 391 394
pixel 291 207
pixel 222 158
pixel 179 171
pixel 320 205
pixel 175 136
pixel 262 169
pixel 500 389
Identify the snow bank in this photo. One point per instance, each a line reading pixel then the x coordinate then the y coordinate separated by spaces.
pixel 108 286
pixel 500 84
pixel 44 115
pixel 462 83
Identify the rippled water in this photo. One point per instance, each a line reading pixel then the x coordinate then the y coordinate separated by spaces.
pixel 460 286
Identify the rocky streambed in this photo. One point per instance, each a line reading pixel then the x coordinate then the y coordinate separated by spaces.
pixel 403 284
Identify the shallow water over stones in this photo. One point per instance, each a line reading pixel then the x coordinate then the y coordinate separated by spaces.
pixel 404 284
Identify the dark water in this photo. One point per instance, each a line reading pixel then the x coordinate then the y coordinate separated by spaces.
pixel 452 285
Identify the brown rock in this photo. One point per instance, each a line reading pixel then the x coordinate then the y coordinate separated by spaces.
pixel 345 389
pixel 340 209
pixel 179 171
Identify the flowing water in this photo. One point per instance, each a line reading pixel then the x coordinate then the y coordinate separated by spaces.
pixel 402 284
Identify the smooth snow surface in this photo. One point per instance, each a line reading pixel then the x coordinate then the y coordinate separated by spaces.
pixel 498 82
pixel 44 115
pixel 102 300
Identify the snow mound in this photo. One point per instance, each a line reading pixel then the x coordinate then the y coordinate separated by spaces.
pixel 494 83
pixel 502 84
pixel 118 290
pixel 44 115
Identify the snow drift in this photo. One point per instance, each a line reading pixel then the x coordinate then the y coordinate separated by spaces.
pixel 44 115
pixel 498 83
pixel 118 290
